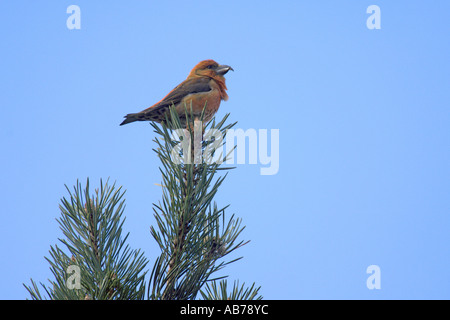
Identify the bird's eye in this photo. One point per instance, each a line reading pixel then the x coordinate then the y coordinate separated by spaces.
pixel 210 66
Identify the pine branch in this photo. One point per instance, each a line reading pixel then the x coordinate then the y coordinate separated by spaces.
pixel 96 263
pixel 193 234
pixel 214 292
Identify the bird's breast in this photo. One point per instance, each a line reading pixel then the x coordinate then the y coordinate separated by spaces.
pixel 209 100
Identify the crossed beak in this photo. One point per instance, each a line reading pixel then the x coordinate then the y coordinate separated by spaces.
pixel 222 69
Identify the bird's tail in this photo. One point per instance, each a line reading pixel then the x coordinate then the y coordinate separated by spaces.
pixel 131 117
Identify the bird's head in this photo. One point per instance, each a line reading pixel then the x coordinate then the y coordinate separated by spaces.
pixel 209 68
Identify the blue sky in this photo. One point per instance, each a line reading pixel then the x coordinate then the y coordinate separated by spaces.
pixel 363 117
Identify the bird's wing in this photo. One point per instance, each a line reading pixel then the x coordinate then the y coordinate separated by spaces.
pixel 185 88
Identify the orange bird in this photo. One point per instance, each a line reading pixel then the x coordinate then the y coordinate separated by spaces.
pixel 205 85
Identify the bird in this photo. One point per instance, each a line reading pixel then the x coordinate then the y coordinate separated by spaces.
pixel 203 89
